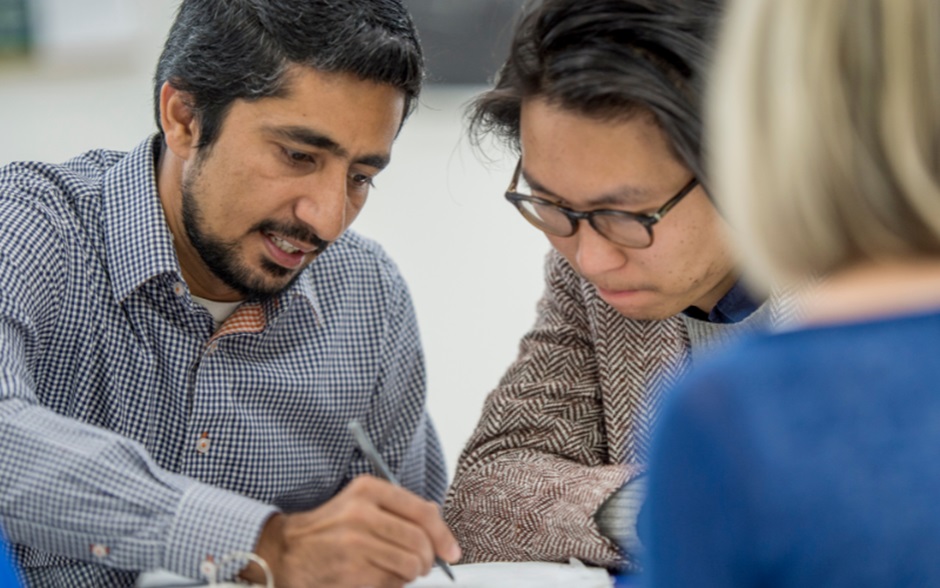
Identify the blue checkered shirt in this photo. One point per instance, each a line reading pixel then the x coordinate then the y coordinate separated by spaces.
pixel 133 434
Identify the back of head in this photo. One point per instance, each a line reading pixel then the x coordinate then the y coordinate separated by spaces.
pixel 609 60
pixel 826 133
pixel 218 51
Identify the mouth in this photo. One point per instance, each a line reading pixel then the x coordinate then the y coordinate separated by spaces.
pixel 288 246
pixel 287 252
pixel 616 294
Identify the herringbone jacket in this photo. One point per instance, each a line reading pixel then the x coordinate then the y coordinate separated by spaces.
pixel 568 425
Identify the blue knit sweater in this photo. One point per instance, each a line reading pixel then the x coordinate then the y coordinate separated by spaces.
pixel 808 458
pixel 8 576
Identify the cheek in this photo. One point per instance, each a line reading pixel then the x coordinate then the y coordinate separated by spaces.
pixel 353 208
pixel 703 250
pixel 678 251
pixel 568 247
pixel 238 198
pixel 556 242
pixel 217 207
pixel 711 240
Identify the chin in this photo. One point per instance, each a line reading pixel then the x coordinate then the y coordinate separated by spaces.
pixel 642 305
pixel 648 312
pixel 260 283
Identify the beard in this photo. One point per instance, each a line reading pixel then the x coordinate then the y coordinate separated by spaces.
pixel 223 258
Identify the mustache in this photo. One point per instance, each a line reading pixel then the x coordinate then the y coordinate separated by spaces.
pixel 298 232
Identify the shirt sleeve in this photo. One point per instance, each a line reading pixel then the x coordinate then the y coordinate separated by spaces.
pixel 617 518
pixel 536 469
pixel 72 489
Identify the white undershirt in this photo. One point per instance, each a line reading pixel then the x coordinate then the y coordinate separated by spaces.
pixel 219 310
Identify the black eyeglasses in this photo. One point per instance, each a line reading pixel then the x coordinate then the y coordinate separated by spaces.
pixel 623 228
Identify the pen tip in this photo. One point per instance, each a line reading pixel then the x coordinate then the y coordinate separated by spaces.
pixel 443 565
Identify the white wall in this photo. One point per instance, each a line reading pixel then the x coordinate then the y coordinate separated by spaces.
pixel 473 265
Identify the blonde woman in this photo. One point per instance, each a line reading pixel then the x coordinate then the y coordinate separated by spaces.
pixel 810 457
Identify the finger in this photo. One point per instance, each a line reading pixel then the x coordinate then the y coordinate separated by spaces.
pixel 360 513
pixel 404 504
pixel 404 535
pixel 348 557
pixel 443 541
pixel 396 562
pixel 427 517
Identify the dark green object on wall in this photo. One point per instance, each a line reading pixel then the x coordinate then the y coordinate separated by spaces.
pixel 15 38
pixel 465 41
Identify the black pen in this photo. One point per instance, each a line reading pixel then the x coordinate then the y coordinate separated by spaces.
pixel 368 449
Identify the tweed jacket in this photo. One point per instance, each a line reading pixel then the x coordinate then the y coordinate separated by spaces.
pixel 568 424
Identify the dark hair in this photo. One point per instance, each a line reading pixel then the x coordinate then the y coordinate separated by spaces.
pixel 610 60
pixel 219 51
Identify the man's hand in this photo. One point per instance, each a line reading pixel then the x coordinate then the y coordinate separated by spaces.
pixel 371 534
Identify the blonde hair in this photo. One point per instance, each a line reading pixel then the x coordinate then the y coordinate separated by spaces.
pixel 824 131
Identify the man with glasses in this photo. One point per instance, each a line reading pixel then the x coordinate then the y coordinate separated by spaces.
pixel 602 102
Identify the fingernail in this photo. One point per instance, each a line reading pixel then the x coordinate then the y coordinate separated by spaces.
pixel 454 553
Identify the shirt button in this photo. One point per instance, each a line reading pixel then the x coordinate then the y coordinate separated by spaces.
pixel 100 551
pixel 212 348
pixel 178 288
pixel 202 446
pixel 208 569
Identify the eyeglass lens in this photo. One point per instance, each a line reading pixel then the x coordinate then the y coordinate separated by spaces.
pixel 624 230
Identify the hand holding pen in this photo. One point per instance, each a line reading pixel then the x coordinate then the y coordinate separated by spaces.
pixel 378 464
pixel 373 533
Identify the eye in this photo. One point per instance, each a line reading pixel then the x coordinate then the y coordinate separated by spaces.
pixel 362 180
pixel 298 157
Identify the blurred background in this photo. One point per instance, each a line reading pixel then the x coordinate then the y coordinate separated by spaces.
pixel 76 75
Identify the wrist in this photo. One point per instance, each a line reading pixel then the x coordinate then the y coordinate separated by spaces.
pixel 269 547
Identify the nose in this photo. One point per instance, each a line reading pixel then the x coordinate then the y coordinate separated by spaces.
pixel 323 205
pixel 595 253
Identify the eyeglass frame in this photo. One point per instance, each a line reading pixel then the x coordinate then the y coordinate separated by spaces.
pixel 575 217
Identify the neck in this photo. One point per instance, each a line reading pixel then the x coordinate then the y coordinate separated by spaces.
pixel 876 289
pixel 200 279
pixel 708 302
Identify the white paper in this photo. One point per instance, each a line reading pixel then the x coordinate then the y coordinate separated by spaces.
pixel 481 575
pixel 517 575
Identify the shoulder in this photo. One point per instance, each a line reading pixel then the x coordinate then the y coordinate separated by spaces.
pixel 36 180
pixel 58 192
pixel 34 213
pixel 48 210
pixel 751 381
pixel 754 355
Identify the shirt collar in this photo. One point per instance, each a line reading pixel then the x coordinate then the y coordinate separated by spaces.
pixel 735 306
pixel 138 242
pixel 303 287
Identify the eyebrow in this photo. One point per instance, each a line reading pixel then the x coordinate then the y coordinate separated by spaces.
pixel 630 195
pixel 317 140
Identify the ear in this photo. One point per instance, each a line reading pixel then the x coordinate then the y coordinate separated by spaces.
pixel 179 123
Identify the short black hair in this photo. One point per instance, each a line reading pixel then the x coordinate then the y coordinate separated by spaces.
pixel 610 60
pixel 218 51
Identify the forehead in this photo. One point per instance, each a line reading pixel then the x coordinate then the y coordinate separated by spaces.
pixel 353 111
pixel 584 157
